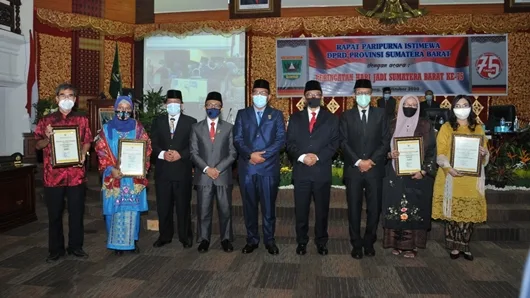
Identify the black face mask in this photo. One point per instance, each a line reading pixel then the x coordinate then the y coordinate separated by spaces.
pixel 122 115
pixel 409 112
pixel 313 102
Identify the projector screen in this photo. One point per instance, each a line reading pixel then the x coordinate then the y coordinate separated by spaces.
pixel 196 65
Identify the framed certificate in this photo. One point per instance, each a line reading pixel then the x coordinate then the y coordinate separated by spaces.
pixel 65 145
pixel 410 155
pixel 131 157
pixel 465 154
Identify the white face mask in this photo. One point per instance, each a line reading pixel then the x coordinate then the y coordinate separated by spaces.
pixel 462 113
pixel 66 104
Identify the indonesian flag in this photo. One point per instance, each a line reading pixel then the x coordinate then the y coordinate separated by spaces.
pixel 33 87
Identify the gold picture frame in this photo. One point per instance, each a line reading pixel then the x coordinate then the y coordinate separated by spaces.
pixel 132 149
pixel 105 115
pixel 413 141
pixel 477 167
pixel 62 141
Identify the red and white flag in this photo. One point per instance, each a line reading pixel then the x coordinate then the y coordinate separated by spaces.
pixel 33 86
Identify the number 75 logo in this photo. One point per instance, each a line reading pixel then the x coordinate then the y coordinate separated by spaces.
pixel 489 66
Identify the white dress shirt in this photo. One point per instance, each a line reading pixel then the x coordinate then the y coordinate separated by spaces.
pixel 367 109
pixel 210 121
pixel 172 129
pixel 310 114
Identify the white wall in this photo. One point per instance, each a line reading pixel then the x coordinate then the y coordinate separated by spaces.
pixel 167 6
pixel 14 120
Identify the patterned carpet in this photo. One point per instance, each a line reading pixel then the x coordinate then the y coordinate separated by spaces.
pixel 172 271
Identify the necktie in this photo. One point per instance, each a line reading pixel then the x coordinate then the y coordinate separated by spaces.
pixel 172 124
pixel 260 114
pixel 312 121
pixel 212 131
pixel 363 120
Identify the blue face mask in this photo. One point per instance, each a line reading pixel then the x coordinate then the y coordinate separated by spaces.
pixel 259 101
pixel 428 97
pixel 213 113
pixel 173 109
pixel 363 100
pixel 386 96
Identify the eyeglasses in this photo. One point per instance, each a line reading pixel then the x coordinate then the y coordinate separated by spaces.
pixel 213 106
pixel 66 96
pixel 264 93
pixel 461 106
pixel 313 95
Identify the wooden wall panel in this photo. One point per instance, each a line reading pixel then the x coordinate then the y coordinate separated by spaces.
pixel 58 5
pixel 120 10
pixel 223 15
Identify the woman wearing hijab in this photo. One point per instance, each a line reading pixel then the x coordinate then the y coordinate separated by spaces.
pixel 458 199
pixel 123 197
pixel 407 199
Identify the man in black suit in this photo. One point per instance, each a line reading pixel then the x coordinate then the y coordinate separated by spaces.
pixel 170 137
pixel 312 140
pixel 429 103
pixel 365 143
pixel 388 103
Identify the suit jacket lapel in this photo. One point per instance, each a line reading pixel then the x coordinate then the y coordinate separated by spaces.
pixel 167 130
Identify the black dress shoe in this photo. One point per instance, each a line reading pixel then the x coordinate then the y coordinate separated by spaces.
pixel 369 252
pixel 52 257
pixel 468 256
pixel 357 253
pixel 249 248
pixel 301 249
pixel 203 247
pixel 188 244
pixel 272 249
pixel 160 243
pixel 322 249
pixel 78 253
pixel 227 246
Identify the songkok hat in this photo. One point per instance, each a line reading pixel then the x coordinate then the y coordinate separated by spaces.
pixel 312 85
pixel 261 83
pixel 363 83
pixel 214 96
pixel 174 94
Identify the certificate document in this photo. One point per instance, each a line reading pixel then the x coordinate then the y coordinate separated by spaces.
pixel 410 155
pixel 65 146
pixel 465 154
pixel 131 160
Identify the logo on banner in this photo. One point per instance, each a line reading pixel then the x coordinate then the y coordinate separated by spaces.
pixel 488 66
pixel 292 67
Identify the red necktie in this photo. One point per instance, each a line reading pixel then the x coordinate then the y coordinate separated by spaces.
pixel 257 1
pixel 312 121
pixel 212 131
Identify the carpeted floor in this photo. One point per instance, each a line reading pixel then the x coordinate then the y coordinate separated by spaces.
pixel 172 271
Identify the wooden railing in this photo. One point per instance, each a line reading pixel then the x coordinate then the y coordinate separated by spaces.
pixel 10 15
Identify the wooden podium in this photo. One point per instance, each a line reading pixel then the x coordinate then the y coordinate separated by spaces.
pixel 17 198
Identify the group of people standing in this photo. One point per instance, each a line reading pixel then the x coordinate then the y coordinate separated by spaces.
pixel 200 155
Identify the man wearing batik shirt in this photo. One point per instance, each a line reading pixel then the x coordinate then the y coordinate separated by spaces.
pixel 64 182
